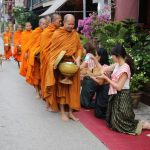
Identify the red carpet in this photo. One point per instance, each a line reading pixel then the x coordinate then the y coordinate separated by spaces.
pixel 113 140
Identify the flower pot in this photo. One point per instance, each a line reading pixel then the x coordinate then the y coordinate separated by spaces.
pixel 135 97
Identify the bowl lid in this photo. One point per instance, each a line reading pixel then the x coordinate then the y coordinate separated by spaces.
pixel 59 58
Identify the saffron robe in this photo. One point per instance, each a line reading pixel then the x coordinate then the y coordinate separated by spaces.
pixel 52 90
pixel 33 67
pixel 44 47
pixel 25 37
pixel 7 41
pixel 17 42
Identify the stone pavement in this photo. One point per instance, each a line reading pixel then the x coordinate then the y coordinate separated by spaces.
pixel 142 112
pixel 26 125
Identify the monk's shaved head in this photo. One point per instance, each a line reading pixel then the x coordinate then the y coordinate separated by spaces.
pixel 6 28
pixel 69 17
pixel 42 23
pixel 42 20
pixel 69 21
pixel 28 26
pixel 19 27
pixel 54 17
pixel 27 23
pixel 48 19
pixel 56 20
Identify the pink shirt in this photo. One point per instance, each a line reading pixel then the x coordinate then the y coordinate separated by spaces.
pixel 118 71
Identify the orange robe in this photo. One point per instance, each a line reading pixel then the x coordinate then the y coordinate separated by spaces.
pixel 25 37
pixel 53 91
pixel 45 40
pixel 17 42
pixel 44 46
pixel 33 68
pixel 7 41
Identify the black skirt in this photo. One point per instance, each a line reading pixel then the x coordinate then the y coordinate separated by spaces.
pixel 120 115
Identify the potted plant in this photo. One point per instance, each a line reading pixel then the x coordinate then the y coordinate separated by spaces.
pixel 136 85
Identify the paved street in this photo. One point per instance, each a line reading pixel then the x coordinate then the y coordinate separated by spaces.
pixel 26 125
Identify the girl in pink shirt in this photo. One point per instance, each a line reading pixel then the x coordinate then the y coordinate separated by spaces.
pixel 120 115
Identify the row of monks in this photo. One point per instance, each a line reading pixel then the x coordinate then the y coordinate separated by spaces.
pixel 37 51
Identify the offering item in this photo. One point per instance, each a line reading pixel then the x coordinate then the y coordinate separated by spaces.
pixel 68 69
pixel 93 72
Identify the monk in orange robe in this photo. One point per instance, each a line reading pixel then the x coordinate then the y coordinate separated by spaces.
pixel 7 37
pixel 45 43
pixel 33 67
pixel 17 43
pixel 25 37
pixel 65 38
pixel 46 36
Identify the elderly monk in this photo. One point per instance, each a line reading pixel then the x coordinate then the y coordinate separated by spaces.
pixel 65 38
pixel 25 37
pixel 7 36
pixel 45 43
pixel 33 68
pixel 17 43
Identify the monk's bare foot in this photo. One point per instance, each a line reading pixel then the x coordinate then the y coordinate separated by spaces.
pixel 38 96
pixel 71 116
pixel 51 110
pixel 145 124
pixel 64 117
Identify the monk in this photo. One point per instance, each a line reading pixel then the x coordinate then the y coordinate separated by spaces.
pixel 17 43
pixel 56 22
pixel 25 37
pixel 48 19
pixel 65 38
pixel 7 37
pixel 33 67
pixel 46 36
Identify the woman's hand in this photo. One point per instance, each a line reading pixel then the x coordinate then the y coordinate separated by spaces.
pixel 103 76
pixel 98 81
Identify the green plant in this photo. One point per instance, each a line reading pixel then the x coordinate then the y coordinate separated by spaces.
pixel 110 35
pixel 141 53
pixel 83 39
pixel 137 82
pixel 21 15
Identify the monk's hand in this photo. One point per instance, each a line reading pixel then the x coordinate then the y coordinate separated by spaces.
pixel 77 61
pixel 26 56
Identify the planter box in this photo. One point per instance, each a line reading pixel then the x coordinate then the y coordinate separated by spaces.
pixel 136 98
pixel 146 98
pixel 146 94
